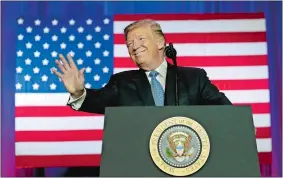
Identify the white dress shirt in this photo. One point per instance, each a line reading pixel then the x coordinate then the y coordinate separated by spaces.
pixel 162 70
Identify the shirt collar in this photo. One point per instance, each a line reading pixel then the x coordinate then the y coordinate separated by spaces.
pixel 162 69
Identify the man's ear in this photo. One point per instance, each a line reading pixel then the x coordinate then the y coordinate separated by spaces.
pixel 160 43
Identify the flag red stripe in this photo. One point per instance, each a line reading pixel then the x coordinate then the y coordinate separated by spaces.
pixel 207 16
pixel 87 135
pixel 207 37
pixel 85 160
pixel 39 111
pixel 263 132
pixel 49 111
pixel 241 84
pixel 57 161
pixel 257 108
pixel 265 157
pixel 196 61
pixel 76 135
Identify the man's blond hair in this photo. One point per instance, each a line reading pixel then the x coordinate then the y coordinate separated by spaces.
pixel 156 28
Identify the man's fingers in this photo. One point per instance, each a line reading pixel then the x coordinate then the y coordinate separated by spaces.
pixel 71 61
pixel 65 63
pixel 58 74
pixel 82 71
pixel 61 67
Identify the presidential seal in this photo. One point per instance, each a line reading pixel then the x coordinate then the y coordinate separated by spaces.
pixel 179 146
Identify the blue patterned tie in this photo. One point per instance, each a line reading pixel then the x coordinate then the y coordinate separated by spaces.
pixel 157 90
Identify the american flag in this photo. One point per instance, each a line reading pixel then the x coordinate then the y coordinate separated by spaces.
pixel 232 48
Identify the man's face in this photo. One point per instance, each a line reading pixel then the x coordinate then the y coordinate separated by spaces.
pixel 143 46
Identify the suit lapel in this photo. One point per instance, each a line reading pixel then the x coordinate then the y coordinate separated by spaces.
pixel 143 88
pixel 170 86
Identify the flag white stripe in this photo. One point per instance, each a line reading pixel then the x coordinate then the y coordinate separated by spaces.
pixel 208 49
pixel 227 72
pixel 264 145
pixel 89 123
pixel 247 96
pixel 262 120
pixel 59 123
pixel 41 99
pixel 87 147
pixel 200 26
pixel 58 148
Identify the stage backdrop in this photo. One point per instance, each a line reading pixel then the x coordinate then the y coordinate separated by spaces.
pixel 235 45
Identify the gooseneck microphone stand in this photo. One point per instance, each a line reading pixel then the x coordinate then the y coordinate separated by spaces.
pixel 170 52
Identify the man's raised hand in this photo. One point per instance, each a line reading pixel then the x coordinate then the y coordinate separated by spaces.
pixel 72 78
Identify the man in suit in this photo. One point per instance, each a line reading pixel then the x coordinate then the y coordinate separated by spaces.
pixel 151 85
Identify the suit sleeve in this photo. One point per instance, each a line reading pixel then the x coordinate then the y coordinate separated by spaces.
pixel 209 93
pixel 96 100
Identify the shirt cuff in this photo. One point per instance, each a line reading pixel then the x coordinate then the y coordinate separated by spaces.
pixel 77 103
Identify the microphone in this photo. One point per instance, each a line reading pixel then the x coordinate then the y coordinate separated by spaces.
pixel 171 52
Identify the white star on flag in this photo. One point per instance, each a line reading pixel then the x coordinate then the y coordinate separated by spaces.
pixel 45 45
pixel 29 29
pixel 35 86
pixel 88 21
pixel 19 69
pixel 63 30
pixel 71 37
pixel 97 61
pixel 97 45
pixel 54 38
pixel 36 70
pixel 53 86
pixel 105 69
pixel 72 53
pixel 20 21
pixel 20 53
pixel 45 62
pixel 80 61
pixel 37 38
pixel 63 45
pixel 80 29
pixel 88 85
pixel 80 45
pixel 97 29
pixel 88 37
pixel 28 45
pixel 106 37
pixel 96 77
pixel 44 78
pixel 37 22
pixel 20 37
pixel 72 22
pixel 106 53
pixel 46 30
pixel 28 61
pixel 18 86
pixel 27 77
pixel 54 22
pixel 88 53
pixel 106 21
pixel 54 54
pixel 36 54
pixel 88 70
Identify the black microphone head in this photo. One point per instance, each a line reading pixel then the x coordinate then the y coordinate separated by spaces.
pixel 170 52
